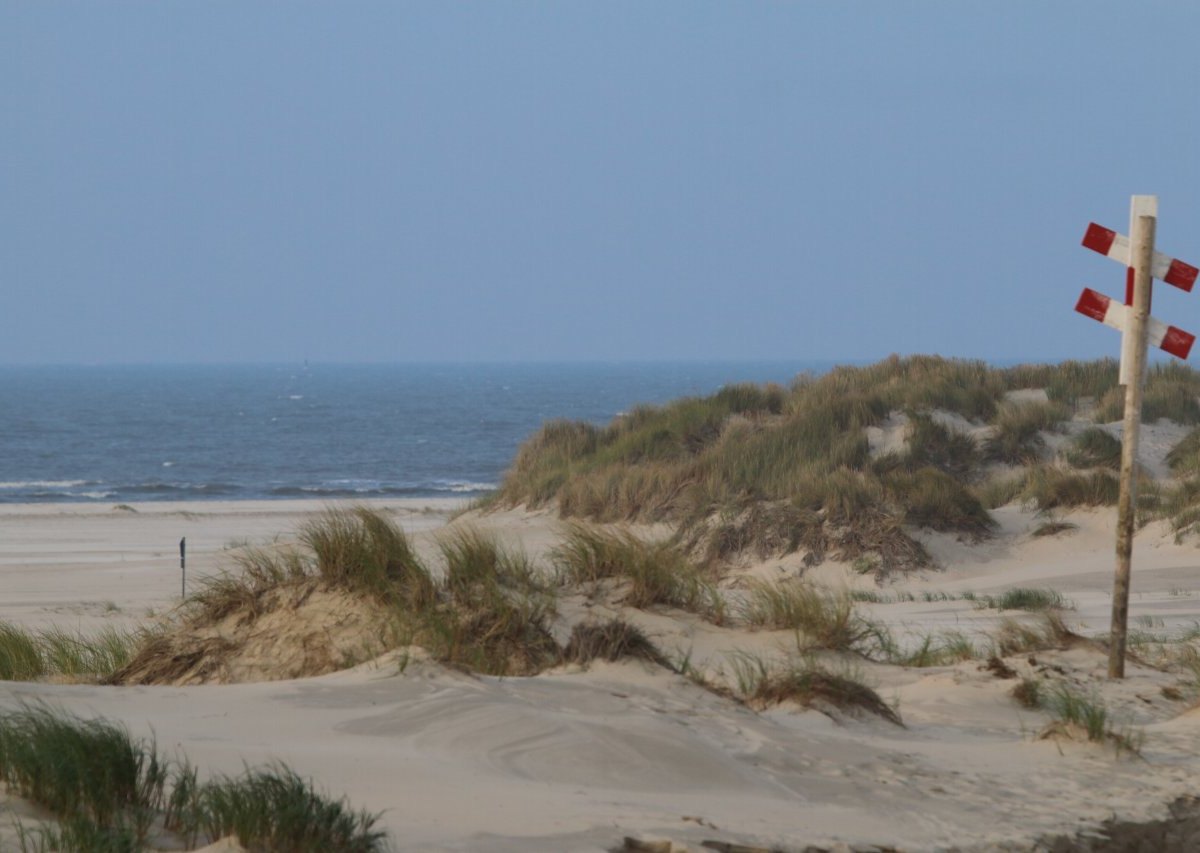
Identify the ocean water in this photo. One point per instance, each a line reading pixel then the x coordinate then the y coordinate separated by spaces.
pixel 122 434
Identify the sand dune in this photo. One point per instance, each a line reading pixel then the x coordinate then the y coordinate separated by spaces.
pixel 577 760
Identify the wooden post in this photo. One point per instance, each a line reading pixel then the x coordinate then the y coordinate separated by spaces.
pixel 183 567
pixel 1142 222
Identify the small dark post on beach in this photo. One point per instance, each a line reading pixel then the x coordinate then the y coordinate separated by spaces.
pixel 183 567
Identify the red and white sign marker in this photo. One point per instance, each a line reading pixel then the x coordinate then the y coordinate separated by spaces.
pixel 1116 246
pixel 1110 312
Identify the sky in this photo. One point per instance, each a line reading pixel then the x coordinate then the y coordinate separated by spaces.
pixel 215 182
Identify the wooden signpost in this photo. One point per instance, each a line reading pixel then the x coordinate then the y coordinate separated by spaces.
pixel 1138 329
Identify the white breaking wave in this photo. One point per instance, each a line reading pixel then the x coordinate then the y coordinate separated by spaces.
pixel 43 484
pixel 465 486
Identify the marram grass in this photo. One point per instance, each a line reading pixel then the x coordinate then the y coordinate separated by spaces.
pixel 30 655
pixel 109 791
pixel 771 470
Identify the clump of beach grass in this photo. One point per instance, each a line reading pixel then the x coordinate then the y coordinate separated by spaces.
pixel 999 490
pixel 490 614
pixel 1068 382
pixel 1184 457
pixel 1046 631
pixel 935 500
pixel 363 550
pixel 823 618
pixel 20 655
pixel 91 772
pixel 807 683
pixel 937 650
pixel 611 640
pixel 1171 391
pixel 1053 527
pixel 654 573
pixel 110 791
pixel 1028 693
pixel 28 655
pixel 1095 448
pixel 1016 438
pixel 1023 598
pixel 1048 488
pixel 274 808
pixel 1073 710
pixel 931 444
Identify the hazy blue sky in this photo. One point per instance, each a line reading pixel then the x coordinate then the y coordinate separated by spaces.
pixel 240 181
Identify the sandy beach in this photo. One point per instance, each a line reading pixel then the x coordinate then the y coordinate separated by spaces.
pixel 579 760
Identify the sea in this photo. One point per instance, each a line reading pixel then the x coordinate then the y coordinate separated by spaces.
pixel 122 434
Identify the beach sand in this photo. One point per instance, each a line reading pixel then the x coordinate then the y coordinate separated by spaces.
pixel 578 760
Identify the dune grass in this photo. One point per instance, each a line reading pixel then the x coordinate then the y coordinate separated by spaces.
pixel 1046 631
pixel 932 499
pixel 807 683
pixel 1016 437
pixel 20 654
pixel 612 640
pixel 768 470
pixel 1071 708
pixel 802 452
pixel 1171 391
pixel 111 791
pixel 1071 383
pixel 1184 457
pixel 27 655
pixel 91 772
pixel 274 808
pixel 1048 488
pixel 931 444
pixel 365 551
pixel 823 618
pixel 653 573
pixel 1023 598
pixel 256 572
pixel 1028 693
pixel 1095 448
pixel 490 614
pixel 937 650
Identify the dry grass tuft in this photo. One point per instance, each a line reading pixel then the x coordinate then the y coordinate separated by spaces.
pixel 365 551
pixel 653 573
pixel 824 619
pixel 53 652
pixel 490 615
pixel 613 640
pixel 808 684
pixel 111 792
pixel 1048 631
pixel 1095 448
pixel 1017 439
